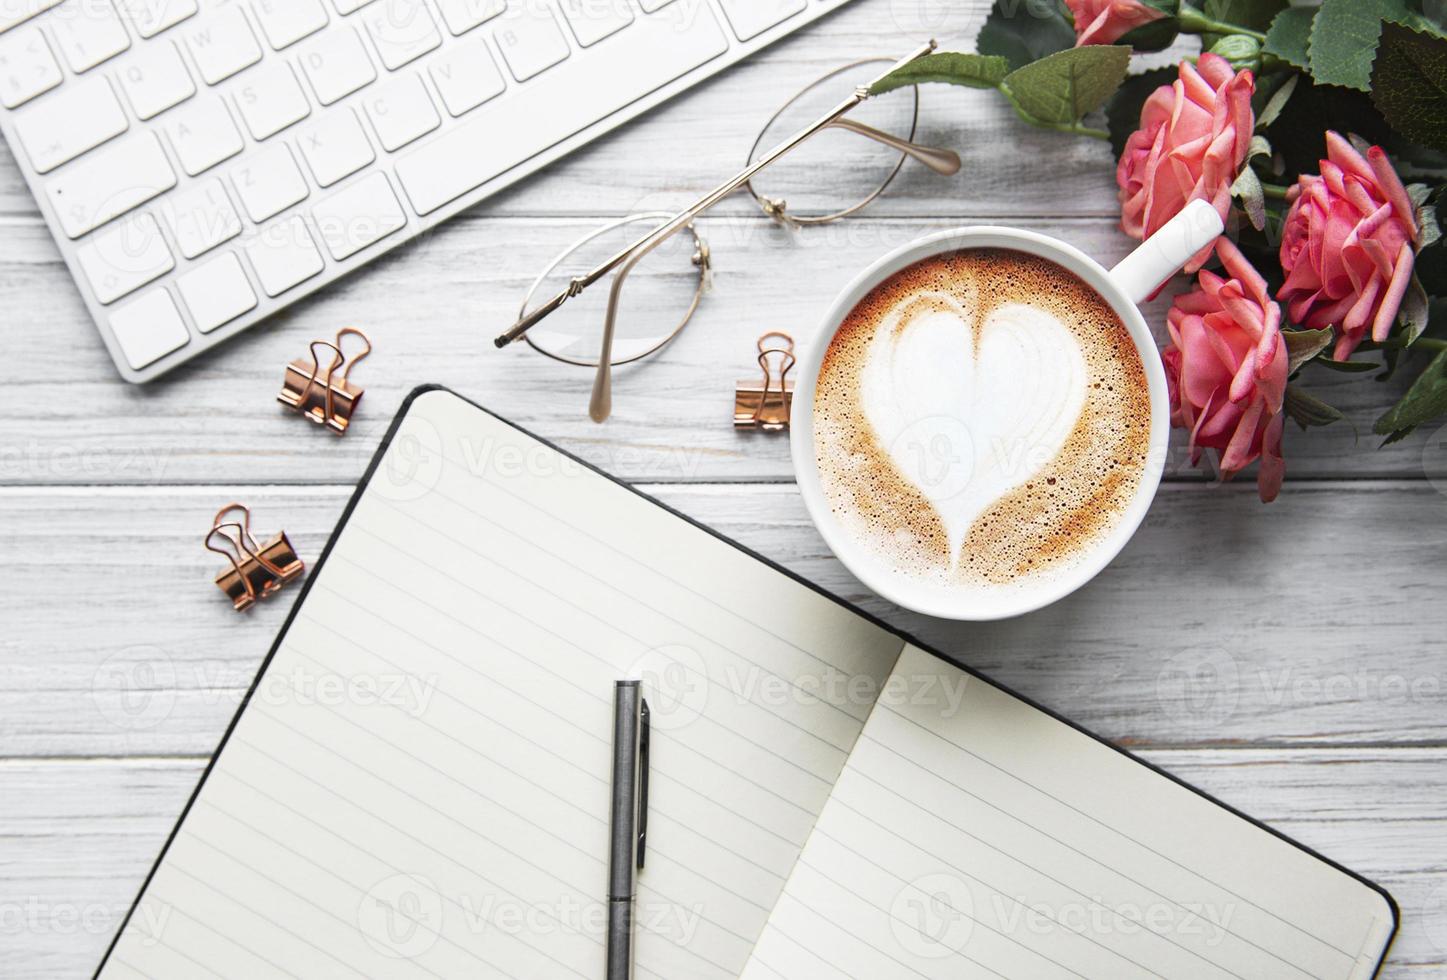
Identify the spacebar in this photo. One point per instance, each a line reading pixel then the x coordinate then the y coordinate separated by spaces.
pixel 563 100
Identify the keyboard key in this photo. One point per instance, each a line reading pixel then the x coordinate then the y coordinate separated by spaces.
pixel 463 15
pixel 337 64
pixel 110 182
pixel 149 329
pixel 81 116
pixel 345 7
pixel 361 215
pixel 271 100
pixel 203 134
pixel 647 56
pixel 269 182
pixel 401 111
pixel 89 32
pixel 217 292
pixel 151 17
pixel 200 218
pixel 750 18
pixel 532 41
pixel 27 68
pixel 284 256
pixel 285 22
pixel 155 78
pixel 466 76
pixel 403 31
pixel 336 147
pixel 593 20
pixel 15 12
pixel 124 258
pixel 223 45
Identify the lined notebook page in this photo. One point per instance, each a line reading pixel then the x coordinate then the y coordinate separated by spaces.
pixel 990 840
pixel 419 787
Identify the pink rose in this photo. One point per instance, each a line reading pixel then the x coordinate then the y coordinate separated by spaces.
pixel 1347 246
pixel 1106 21
pixel 1191 145
pixel 1226 368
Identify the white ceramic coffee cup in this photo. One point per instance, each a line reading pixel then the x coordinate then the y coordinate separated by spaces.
pixel 1132 281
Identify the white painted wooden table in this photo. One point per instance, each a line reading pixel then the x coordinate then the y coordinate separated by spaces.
pixel 1289 659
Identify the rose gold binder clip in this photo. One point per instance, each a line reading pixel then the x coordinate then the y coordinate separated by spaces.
pixel 257 571
pixel 765 404
pixel 325 395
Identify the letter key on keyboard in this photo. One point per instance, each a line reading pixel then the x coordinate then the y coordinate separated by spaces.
pixel 109 182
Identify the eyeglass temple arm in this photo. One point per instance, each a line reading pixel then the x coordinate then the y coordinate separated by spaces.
pixel 942 161
pixel 648 242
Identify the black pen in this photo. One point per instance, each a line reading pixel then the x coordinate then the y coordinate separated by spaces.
pixel 628 822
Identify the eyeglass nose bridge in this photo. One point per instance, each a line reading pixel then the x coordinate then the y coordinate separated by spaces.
pixel 703 261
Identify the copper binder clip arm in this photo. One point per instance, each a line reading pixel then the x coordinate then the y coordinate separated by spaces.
pixel 767 405
pixel 327 398
pixel 256 571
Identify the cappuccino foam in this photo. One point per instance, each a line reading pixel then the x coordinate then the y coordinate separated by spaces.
pixel 981 416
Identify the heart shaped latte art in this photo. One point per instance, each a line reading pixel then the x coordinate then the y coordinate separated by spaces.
pixel 970 411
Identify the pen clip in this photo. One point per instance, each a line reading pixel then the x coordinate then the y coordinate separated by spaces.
pixel 646 728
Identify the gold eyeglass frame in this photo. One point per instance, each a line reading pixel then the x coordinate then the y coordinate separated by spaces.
pixel 702 260
pixel 778 209
pixel 623 262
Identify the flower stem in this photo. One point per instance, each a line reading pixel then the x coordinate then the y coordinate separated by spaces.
pixel 1078 129
pixel 1193 21
pixel 1399 343
pixel 1274 191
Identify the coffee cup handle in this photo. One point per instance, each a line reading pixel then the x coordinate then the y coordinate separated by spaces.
pixel 1162 255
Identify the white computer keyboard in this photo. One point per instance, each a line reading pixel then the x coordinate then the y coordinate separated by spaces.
pixel 205 163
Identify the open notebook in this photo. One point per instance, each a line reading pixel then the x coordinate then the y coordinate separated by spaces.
pixel 417 786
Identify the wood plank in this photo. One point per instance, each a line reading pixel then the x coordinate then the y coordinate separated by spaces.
pixel 1223 623
pixel 433 309
pixel 688 145
pixel 76 839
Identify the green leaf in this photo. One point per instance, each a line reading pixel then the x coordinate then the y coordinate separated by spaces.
pixel 1276 103
pixel 1424 401
pixel 1289 34
pixel 1308 410
pixel 1414 311
pixel 1155 36
pixel 1123 111
pixel 1298 135
pixel 1409 84
pixel 1304 345
pixel 1436 12
pixel 1348 367
pixel 1247 189
pixel 1058 90
pixel 1432 267
pixel 1344 39
pixel 946 67
pixel 1255 15
pixel 1022 31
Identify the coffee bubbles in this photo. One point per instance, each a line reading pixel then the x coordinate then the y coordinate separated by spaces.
pixel 981 417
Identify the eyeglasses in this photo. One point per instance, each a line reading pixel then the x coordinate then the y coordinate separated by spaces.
pixel 669 272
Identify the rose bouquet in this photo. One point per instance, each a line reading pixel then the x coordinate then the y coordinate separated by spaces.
pixel 1320 135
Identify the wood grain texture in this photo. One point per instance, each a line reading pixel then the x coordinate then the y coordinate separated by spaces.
pixel 1287 658
pixel 1223 623
pixel 433 309
pixel 77 838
